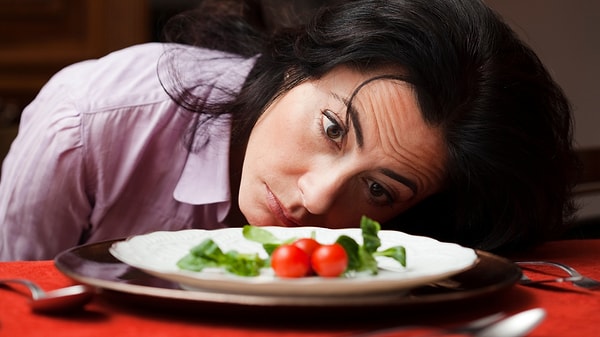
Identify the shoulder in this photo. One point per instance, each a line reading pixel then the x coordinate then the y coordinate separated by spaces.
pixel 129 85
pixel 139 75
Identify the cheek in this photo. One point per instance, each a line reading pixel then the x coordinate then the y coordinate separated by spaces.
pixel 275 149
pixel 283 137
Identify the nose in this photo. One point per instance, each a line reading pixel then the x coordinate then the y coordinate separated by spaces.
pixel 320 187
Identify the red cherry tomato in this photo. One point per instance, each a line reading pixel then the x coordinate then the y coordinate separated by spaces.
pixel 329 260
pixel 290 261
pixel 308 245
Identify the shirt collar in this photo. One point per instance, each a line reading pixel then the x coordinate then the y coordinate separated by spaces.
pixel 205 176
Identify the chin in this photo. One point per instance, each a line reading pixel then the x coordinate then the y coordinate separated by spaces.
pixel 261 221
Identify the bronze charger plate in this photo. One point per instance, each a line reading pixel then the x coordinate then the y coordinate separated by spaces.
pixel 92 264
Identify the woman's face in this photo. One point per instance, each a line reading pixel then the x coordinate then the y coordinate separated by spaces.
pixel 309 163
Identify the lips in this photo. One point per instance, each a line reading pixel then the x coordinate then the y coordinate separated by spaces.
pixel 278 211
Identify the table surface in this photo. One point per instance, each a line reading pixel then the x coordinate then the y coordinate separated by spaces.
pixel 571 311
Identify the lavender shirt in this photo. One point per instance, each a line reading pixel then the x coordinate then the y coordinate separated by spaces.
pixel 100 154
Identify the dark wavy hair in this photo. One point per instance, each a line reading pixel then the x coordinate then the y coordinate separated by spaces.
pixel 507 125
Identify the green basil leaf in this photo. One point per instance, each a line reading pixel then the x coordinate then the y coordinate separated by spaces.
pixel 370 229
pixel 397 253
pixel 243 264
pixel 270 247
pixel 194 263
pixel 260 235
pixel 206 254
pixel 351 247
pixel 208 249
pixel 367 260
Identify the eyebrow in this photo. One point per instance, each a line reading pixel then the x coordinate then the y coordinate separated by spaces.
pixel 401 179
pixel 353 116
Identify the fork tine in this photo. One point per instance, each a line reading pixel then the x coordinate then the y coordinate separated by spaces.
pixel 576 278
pixel 527 281
pixel 587 283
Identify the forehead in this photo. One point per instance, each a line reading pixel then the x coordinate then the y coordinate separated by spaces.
pixel 383 97
pixel 383 111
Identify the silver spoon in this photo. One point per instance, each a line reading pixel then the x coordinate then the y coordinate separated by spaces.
pixel 496 325
pixel 58 300
pixel 517 325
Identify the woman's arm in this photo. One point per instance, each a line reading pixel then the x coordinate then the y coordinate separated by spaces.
pixel 43 203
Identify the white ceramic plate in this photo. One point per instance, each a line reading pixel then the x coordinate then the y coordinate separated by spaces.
pixel 428 260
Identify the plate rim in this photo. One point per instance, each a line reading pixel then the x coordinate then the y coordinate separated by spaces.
pixel 390 299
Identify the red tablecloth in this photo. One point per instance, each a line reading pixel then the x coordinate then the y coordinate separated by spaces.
pixel 571 311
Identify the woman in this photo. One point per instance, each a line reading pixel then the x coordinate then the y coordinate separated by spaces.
pixel 429 116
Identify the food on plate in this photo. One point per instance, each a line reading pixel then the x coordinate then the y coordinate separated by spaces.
pixel 297 257
pixel 306 257
pixel 208 254
pixel 290 261
pixel 329 260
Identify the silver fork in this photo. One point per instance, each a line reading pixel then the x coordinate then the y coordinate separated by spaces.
pixel 575 277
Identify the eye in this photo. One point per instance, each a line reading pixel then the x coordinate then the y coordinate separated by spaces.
pixel 378 194
pixel 331 127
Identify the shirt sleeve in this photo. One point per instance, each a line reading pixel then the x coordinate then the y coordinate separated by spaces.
pixel 44 208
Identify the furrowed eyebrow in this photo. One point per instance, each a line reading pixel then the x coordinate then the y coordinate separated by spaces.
pixel 352 115
pixel 402 179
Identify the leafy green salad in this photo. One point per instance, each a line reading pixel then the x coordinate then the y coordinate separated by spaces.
pixel 360 257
